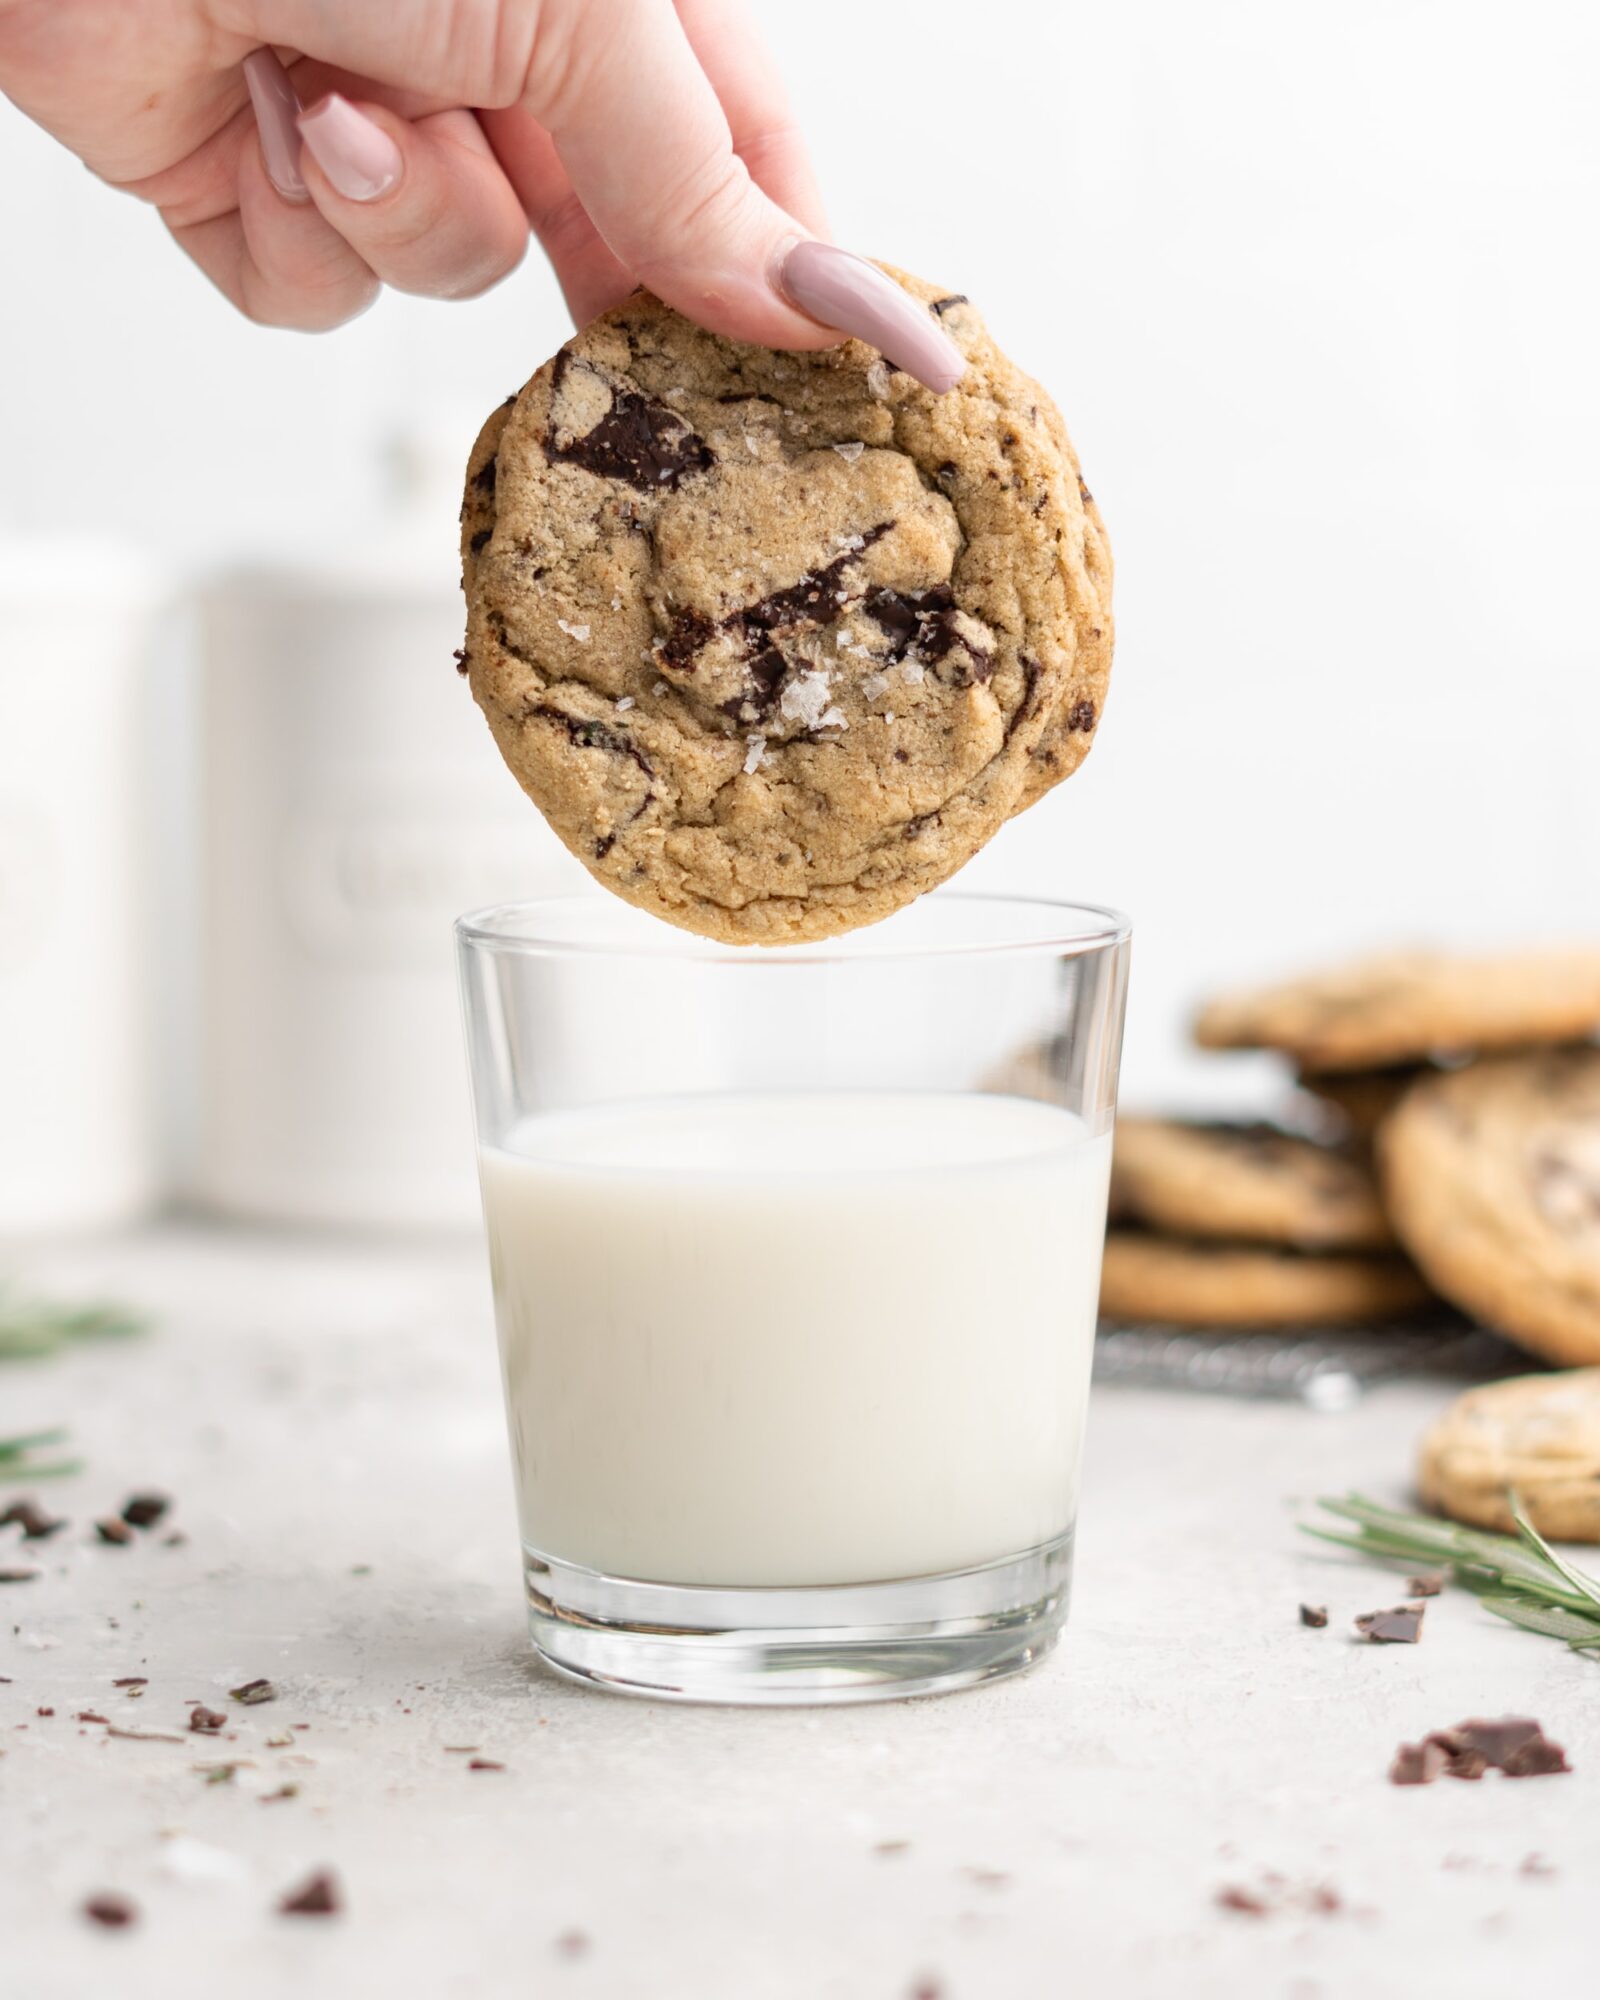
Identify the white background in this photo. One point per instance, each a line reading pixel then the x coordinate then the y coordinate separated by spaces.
pixel 1316 288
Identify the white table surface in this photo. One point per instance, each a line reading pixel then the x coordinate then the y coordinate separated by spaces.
pixel 316 1404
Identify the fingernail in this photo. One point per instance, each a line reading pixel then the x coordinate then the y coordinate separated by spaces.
pixel 359 158
pixel 273 99
pixel 845 291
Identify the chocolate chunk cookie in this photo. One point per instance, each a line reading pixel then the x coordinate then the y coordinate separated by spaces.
pixel 1537 1436
pixel 1180 1282
pixel 1408 1006
pixel 777 641
pixel 1492 1179
pixel 1249 1182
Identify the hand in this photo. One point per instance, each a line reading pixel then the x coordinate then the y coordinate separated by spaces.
pixel 415 142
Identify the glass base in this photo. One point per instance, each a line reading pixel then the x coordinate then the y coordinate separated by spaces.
pixel 819 1643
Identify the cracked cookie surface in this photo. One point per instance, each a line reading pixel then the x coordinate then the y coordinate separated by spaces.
pixel 777 641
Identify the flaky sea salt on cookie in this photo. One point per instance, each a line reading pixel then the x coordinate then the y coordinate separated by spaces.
pixel 777 641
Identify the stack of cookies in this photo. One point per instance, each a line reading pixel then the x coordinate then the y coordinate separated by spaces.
pixel 1462 1157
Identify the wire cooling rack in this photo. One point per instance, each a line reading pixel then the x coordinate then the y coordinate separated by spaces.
pixel 1329 1370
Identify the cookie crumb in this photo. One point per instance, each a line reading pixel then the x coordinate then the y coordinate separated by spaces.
pixel 112 1911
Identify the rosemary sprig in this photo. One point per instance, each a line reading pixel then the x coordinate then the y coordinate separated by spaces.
pixel 33 1327
pixel 18 1464
pixel 1518 1577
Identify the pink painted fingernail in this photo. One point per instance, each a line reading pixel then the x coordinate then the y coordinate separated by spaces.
pixel 273 99
pixel 359 158
pixel 845 291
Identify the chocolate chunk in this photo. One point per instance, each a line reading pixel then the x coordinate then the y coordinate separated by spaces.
pixel 1538 1759
pixel 1245 1901
pixel 463 660
pixel 1083 492
pixel 817 598
pixel 1032 673
pixel 592 735
pixel 114 1912
pixel 814 600
pixel 1399 1626
pixel 924 624
pixel 1082 716
pixel 317 1896
pixel 1498 1739
pixel 638 440
pixel 487 473
pixel 252 1693
pixel 914 829
pixel 1314 1615
pixel 942 306
pixel 205 1721
pixel 114 1530
pixel 1515 1745
pixel 34 1522
pixel 690 631
pixel 1428 1585
pixel 1417 1763
pixel 143 1510
pixel 481 541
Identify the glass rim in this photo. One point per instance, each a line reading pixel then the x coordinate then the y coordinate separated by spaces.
pixel 1083 928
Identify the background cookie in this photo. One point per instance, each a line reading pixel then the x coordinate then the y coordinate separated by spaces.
pixel 777 641
pixel 1406 1006
pixel 1251 1182
pixel 1492 1179
pixel 1539 1434
pixel 1363 1098
pixel 1163 1278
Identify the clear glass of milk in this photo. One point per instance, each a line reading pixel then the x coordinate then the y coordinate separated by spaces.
pixel 795 1256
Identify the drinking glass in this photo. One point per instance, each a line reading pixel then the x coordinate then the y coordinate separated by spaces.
pixel 795 1256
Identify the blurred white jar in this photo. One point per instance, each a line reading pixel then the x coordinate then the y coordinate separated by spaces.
pixel 78 1145
pixel 354 804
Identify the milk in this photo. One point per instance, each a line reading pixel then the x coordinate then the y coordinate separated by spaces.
pixel 796 1340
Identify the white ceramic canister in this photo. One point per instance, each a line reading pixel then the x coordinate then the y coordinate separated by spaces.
pixel 354 805
pixel 78 947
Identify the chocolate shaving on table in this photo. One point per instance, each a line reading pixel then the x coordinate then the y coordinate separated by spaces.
pixel 252 1693
pixel 143 1510
pixel 31 1518
pixel 1515 1745
pixel 132 1681
pixel 318 1896
pixel 205 1721
pixel 1314 1615
pixel 115 1912
pixel 483 1764
pixel 88 1715
pixel 1245 1901
pixel 1428 1584
pixel 115 1530
pixel 1401 1625
pixel 17 1574
pixel 142 1735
